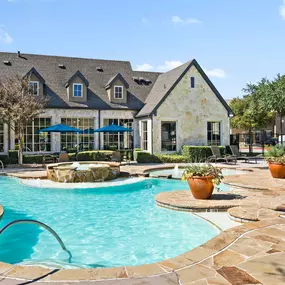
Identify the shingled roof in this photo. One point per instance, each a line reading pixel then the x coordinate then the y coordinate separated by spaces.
pixel 56 78
pixel 167 81
pixel 144 95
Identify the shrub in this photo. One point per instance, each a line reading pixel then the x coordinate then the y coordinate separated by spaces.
pixel 199 153
pixel 33 158
pixel 171 158
pixel 13 156
pixel 146 157
pixel 72 156
pixel 4 158
pixel 94 155
pixel 135 153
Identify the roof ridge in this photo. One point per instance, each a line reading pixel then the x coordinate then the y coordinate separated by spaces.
pixel 62 56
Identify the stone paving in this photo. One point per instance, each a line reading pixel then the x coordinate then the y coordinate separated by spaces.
pixel 252 253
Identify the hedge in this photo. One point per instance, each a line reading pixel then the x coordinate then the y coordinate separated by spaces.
pixel 13 156
pixel 146 157
pixel 33 158
pixel 5 159
pixel 94 155
pixel 200 153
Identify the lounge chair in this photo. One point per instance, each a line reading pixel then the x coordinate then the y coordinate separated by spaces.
pixel 216 157
pixel 63 157
pixel 235 151
pixel 116 156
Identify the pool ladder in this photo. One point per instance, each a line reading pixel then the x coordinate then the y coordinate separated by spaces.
pixel 41 225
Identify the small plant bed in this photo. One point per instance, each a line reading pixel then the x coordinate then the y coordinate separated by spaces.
pixel 201 179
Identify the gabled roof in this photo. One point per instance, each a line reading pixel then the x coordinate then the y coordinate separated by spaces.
pixel 166 82
pixel 97 96
pixel 77 74
pixel 117 76
pixel 34 71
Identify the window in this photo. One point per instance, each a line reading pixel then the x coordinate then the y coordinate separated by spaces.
pixel 77 90
pixel 34 141
pixel 168 136
pixel 34 88
pixel 192 82
pixel 70 141
pixel 115 141
pixel 144 135
pixel 118 91
pixel 1 137
pixel 214 133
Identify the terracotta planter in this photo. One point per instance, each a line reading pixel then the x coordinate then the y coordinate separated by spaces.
pixel 277 169
pixel 201 187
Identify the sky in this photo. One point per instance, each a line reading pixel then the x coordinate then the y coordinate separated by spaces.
pixel 235 41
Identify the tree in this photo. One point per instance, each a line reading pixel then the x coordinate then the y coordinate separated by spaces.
pixel 249 112
pixel 18 106
pixel 272 96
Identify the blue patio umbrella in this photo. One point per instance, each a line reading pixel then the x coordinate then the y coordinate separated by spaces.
pixel 60 128
pixel 113 129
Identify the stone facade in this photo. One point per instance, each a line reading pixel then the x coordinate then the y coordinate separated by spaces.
pixel 191 109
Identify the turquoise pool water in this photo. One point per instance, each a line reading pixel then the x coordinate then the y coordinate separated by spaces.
pixel 110 226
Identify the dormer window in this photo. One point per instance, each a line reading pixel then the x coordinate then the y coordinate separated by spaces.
pixel 34 88
pixel 77 90
pixel 118 92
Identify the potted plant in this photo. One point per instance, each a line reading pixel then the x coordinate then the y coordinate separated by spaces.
pixel 201 179
pixel 276 161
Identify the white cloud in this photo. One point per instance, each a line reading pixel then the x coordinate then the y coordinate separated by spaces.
pixel 282 10
pixel 216 72
pixel 168 65
pixel 5 38
pixel 144 67
pixel 178 20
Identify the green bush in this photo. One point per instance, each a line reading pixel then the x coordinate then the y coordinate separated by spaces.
pixel 94 155
pixel 4 158
pixel 72 156
pixel 171 158
pixel 146 157
pixel 135 153
pixel 200 153
pixel 33 158
pixel 13 156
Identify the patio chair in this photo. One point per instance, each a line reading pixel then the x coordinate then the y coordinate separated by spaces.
pixel 235 151
pixel 217 156
pixel 116 156
pixel 63 157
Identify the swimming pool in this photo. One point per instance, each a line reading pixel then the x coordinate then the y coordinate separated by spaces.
pixel 102 227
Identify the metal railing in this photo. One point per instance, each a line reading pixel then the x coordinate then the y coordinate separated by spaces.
pixel 45 227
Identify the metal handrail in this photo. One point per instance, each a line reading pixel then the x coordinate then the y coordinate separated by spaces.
pixel 2 165
pixel 42 225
